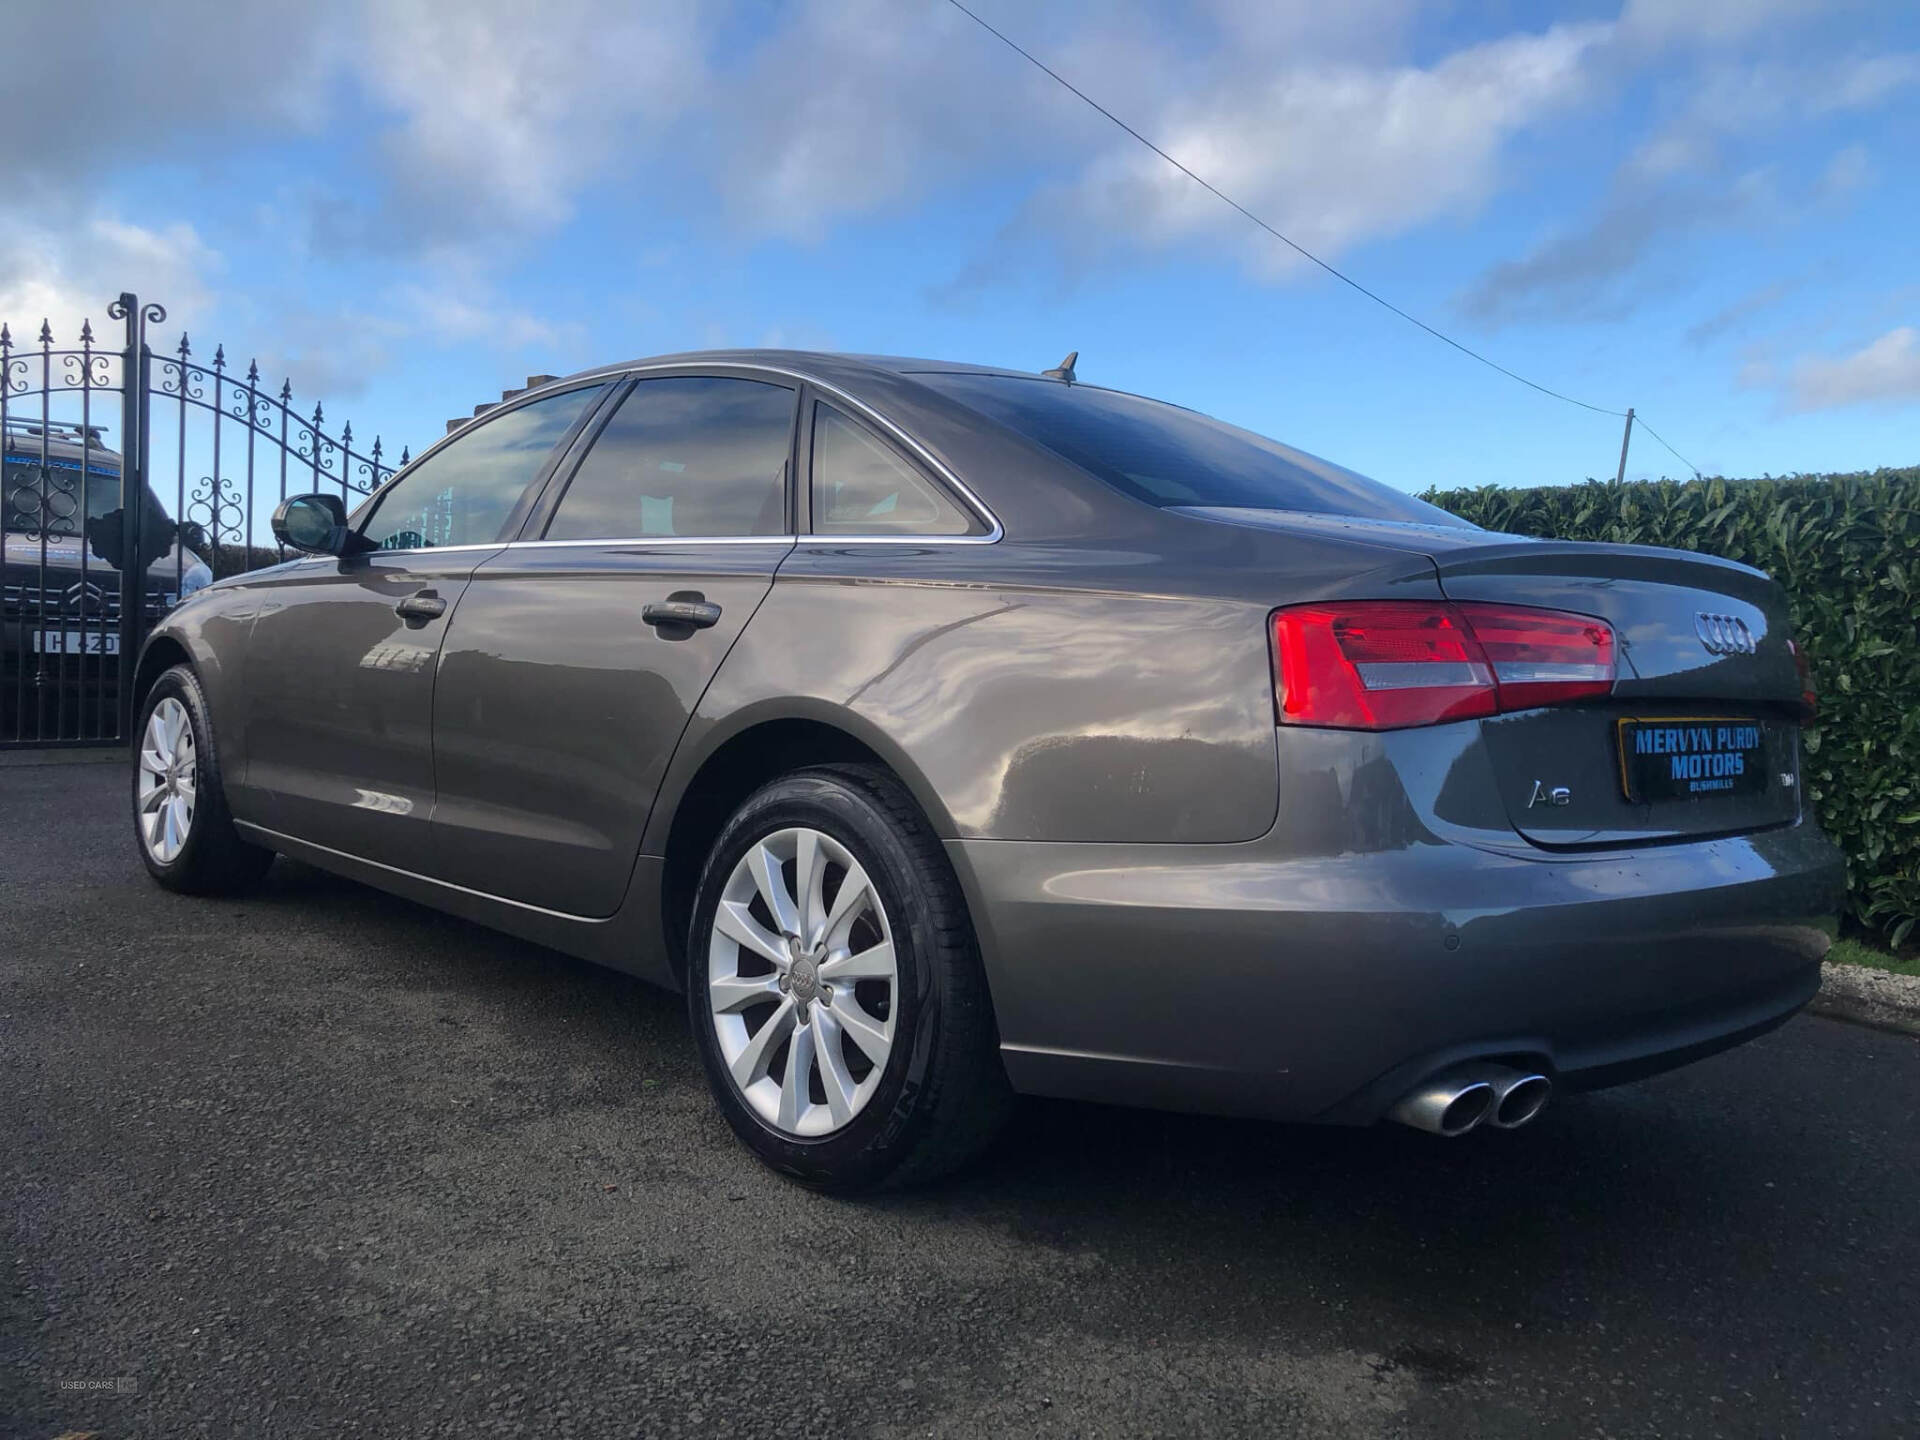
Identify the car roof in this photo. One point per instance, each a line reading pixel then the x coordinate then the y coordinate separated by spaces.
pixel 824 363
pixel 855 373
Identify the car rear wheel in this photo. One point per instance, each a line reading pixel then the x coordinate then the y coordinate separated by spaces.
pixel 835 988
pixel 180 815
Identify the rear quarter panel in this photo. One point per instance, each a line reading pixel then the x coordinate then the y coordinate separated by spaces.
pixel 1026 691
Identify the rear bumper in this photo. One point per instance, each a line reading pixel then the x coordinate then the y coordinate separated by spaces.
pixel 1232 979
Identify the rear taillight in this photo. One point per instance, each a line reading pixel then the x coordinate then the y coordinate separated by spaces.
pixel 1390 664
pixel 1809 701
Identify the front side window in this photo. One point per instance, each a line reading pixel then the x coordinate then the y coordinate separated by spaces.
pixel 685 455
pixel 861 486
pixel 464 492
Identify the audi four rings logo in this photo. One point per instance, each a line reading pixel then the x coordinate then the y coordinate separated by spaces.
pixel 1724 634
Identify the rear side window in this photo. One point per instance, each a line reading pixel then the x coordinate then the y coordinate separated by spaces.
pixel 463 493
pixel 861 486
pixel 1167 456
pixel 685 455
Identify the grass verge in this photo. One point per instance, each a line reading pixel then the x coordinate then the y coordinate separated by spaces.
pixel 1854 952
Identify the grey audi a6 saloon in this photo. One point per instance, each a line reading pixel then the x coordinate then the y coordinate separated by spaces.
pixel 946 733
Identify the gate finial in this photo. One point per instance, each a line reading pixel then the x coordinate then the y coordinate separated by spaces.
pixel 46 333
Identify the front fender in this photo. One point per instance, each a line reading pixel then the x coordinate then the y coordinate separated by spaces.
pixel 210 631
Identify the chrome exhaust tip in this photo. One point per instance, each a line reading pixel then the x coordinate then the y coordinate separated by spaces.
pixel 1518 1097
pixel 1447 1104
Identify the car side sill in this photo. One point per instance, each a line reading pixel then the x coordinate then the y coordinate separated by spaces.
pixel 624 941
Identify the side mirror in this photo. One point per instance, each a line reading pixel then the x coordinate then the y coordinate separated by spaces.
pixel 315 524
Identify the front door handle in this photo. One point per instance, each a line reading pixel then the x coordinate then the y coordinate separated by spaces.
pixel 690 611
pixel 419 609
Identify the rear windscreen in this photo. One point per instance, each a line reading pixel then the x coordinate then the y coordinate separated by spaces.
pixel 1164 455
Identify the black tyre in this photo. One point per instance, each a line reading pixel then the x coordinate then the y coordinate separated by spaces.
pixel 835 987
pixel 180 817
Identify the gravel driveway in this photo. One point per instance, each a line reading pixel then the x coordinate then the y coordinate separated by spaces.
pixel 320 1162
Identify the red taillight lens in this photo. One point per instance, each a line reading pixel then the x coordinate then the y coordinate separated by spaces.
pixel 1543 657
pixel 1379 666
pixel 1809 701
pixel 1390 664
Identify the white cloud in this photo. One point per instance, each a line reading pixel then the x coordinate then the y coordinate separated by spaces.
pixel 1885 372
pixel 1708 22
pixel 1846 172
pixel 1732 317
pixel 1708 167
pixel 1864 82
pixel 485 125
pixel 100 86
pixel 857 107
pixel 328 355
pixel 68 272
pixel 1593 269
pixel 506 111
pixel 449 317
pixel 1331 155
pixel 335 354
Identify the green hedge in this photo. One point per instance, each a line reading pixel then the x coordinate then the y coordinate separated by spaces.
pixel 1847 549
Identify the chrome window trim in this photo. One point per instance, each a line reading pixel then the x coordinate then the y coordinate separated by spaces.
pixel 314 558
pixel 654 540
pixel 425 549
pixel 918 542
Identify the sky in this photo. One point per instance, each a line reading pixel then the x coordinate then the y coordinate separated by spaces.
pixel 1705 209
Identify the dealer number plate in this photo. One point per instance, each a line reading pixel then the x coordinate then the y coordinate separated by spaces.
pixel 1686 757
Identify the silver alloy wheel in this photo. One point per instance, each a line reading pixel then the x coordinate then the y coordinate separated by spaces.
pixel 802 983
pixel 167 774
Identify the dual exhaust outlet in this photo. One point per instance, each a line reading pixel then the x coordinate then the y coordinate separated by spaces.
pixel 1460 1100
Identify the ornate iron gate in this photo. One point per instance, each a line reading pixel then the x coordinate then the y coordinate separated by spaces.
pixel 128 480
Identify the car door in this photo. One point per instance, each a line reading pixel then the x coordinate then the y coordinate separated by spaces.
pixel 340 661
pixel 579 652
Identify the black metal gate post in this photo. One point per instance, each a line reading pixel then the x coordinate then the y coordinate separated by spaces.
pixel 133 491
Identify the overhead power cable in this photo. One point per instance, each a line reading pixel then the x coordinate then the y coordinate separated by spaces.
pixel 1641 421
pixel 1297 248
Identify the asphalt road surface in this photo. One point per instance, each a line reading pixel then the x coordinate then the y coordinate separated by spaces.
pixel 321 1162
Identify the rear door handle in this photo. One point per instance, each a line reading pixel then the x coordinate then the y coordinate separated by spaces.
pixel 420 608
pixel 696 614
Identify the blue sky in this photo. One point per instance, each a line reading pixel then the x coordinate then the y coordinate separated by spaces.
pixel 1704 210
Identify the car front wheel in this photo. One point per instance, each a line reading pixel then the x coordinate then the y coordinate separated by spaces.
pixel 835 988
pixel 180 815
